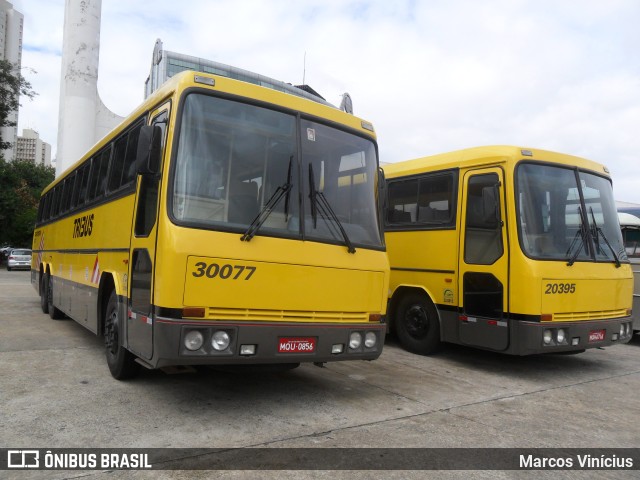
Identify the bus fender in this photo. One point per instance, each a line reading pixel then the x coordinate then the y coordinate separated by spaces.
pixel 400 292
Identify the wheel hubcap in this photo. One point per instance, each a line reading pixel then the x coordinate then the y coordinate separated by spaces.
pixel 417 321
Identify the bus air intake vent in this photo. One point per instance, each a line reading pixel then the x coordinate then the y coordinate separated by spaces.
pixel 597 315
pixel 256 315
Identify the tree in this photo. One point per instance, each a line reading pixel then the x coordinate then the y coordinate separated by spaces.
pixel 12 85
pixel 20 186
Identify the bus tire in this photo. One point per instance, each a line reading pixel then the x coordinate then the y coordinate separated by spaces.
pixel 417 325
pixel 122 364
pixel 54 313
pixel 44 293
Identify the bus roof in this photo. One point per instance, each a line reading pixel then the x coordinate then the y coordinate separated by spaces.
pixel 192 79
pixel 628 220
pixel 486 155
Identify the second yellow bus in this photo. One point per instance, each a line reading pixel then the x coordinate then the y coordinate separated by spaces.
pixel 506 249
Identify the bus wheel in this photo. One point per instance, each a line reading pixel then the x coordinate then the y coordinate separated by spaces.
pixel 121 362
pixel 44 293
pixel 54 313
pixel 416 323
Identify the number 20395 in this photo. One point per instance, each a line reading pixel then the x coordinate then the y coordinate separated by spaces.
pixel 559 288
pixel 224 272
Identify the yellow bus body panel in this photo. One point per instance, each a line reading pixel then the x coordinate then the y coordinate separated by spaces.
pixel 420 261
pixel 289 276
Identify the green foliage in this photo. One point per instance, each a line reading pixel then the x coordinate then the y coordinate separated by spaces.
pixel 20 186
pixel 12 86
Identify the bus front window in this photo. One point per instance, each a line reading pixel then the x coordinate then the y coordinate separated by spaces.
pixel 561 220
pixel 231 159
pixel 237 163
pixel 603 218
pixel 342 168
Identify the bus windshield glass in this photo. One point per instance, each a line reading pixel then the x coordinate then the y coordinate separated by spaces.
pixel 564 216
pixel 236 162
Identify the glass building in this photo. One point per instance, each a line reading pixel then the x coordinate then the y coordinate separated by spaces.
pixel 166 64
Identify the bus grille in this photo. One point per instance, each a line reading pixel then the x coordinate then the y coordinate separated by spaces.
pixel 597 315
pixel 254 315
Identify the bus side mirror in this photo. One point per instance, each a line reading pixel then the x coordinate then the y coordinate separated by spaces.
pixel 149 150
pixel 382 195
pixel 382 182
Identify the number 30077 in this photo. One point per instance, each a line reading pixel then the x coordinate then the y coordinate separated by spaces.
pixel 233 272
pixel 559 288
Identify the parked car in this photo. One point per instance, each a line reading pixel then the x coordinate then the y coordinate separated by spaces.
pixel 19 258
pixel 4 253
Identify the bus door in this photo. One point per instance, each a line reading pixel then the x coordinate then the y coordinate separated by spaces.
pixel 142 255
pixel 483 273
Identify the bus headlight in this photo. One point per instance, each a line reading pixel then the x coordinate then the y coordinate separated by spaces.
pixel 622 329
pixel 193 340
pixel 370 339
pixel 560 336
pixel 220 340
pixel 546 337
pixel 355 340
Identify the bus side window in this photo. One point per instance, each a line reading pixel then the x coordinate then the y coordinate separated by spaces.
pixel 102 176
pixel 129 171
pixel 66 193
pixel 403 202
pixel 84 172
pixel 123 168
pixel 93 178
pixel 47 206
pixel 119 152
pixel 55 203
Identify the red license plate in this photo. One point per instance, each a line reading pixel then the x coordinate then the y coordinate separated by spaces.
pixel 596 336
pixel 297 345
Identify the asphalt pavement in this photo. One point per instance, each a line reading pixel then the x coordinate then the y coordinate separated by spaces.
pixel 56 392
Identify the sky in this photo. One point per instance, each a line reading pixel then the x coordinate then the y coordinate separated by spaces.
pixel 431 75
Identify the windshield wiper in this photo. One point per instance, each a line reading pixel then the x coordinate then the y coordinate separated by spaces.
pixel 597 232
pixel 580 234
pixel 320 202
pixel 283 191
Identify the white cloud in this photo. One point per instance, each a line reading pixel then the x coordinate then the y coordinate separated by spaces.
pixel 432 75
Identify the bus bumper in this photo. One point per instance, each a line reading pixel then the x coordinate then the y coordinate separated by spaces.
pixel 255 343
pixel 550 337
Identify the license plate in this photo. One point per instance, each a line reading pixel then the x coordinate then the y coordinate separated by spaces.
pixel 296 345
pixel 596 336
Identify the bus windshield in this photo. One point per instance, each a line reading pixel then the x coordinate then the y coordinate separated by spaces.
pixel 237 162
pixel 567 216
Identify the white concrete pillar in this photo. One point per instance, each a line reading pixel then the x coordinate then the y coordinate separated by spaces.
pixel 80 104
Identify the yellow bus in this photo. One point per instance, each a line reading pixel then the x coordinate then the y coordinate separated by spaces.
pixel 506 249
pixel 222 222
pixel 630 225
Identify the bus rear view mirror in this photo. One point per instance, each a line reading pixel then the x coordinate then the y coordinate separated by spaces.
pixel 149 150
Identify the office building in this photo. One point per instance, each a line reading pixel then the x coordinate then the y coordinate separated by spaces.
pixel 166 64
pixel 11 26
pixel 31 148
